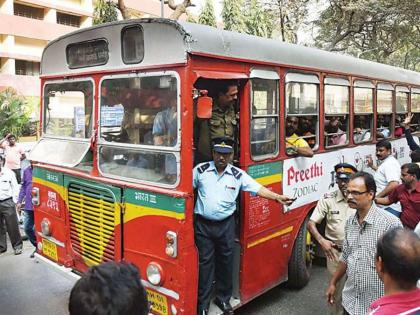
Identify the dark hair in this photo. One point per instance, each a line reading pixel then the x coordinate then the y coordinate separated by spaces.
pixel 415 156
pixel 400 252
pixel 222 86
pixel 368 179
pixel 108 289
pixel 412 169
pixel 384 143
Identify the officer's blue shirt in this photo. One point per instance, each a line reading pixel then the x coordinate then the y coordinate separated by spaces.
pixel 217 195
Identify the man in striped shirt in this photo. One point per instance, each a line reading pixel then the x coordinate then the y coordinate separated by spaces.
pixel 357 261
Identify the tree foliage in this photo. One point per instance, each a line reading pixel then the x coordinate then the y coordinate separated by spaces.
pixel 385 31
pixel 258 19
pixel 105 11
pixel 233 18
pixel 288 17
pixel 207 16
pixel 14 115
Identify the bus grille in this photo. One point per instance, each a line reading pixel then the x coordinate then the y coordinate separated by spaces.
pixel 92 221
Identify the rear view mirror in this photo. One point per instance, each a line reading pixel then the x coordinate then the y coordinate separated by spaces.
pixel 204 106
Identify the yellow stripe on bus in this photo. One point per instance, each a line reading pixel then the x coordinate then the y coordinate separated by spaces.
pixel 271 236
pixel 135 211
pixel 268 180
pixel 58 188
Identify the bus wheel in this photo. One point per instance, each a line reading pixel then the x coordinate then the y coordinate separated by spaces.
pixel 300 262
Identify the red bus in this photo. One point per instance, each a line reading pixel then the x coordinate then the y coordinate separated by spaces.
pixel 105 191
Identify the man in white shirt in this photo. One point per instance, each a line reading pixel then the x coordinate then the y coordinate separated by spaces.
pixel 387 174
pixel 8 193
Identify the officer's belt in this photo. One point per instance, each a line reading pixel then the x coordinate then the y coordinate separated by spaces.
pixel 209 221
pixel 336 246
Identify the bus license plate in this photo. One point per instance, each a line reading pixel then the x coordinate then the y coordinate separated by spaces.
pixel 158 301
pixel 49 249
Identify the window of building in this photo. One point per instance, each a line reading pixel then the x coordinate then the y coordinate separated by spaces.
pixel 336 106
pixel 384 110
pixel 23 67
pixel 68 19
pixel 264 117
pixel 302 108
pixel 363 113
pixel 28 11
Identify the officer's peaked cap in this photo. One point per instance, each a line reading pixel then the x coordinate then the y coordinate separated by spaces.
pixel 344 170
pixel 223 145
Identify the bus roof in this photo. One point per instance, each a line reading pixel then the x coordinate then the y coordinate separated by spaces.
pixel 185 38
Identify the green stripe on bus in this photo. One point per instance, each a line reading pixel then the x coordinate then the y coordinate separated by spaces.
pixel 154 200
pixel 49 176
pixel 266 169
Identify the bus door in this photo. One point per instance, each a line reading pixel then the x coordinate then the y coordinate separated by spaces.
pixel 94 221
pixel 263 231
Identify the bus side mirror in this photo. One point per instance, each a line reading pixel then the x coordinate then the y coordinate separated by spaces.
pixel 204 105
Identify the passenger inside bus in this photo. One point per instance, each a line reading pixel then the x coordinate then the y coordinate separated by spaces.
pixel 362 128
pixel 336 133
pixel 399 129
pixel 383 128
pixel 307 130
pixel 295 145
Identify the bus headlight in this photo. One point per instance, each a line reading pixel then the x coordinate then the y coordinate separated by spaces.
pixel 35 196
pixel 154 274
pixel 46 227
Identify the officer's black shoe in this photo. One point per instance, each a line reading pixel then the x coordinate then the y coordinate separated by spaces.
pixel 224 306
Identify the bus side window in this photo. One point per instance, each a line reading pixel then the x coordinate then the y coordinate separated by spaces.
pixel 384 110
pixel 264 117
pixel 363 114
pixel 336 102
pixel 302 107
pixel 401 108
pixel 415 109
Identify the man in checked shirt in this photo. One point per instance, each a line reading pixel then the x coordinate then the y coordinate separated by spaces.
pixel 357 261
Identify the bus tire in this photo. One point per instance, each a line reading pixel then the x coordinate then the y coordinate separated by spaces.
pixel 300 262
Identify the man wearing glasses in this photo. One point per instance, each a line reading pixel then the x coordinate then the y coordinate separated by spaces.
pixel 357 260
pixel 333 207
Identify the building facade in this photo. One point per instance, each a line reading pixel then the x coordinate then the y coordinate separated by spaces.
pixel 26 26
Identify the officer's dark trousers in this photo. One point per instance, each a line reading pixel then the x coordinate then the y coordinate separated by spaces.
pixel 8 215
pixel 215 241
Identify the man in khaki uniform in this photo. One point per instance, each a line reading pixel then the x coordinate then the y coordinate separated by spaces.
pixel 334 208
pixel 223 122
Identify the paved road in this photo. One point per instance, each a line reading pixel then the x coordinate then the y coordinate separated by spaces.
pixel 27 287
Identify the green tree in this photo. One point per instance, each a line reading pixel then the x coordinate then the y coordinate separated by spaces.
pixel 232 16
pixel 207 16
pixel 258 20
pixel 14 114
pixel 385 31
pixel 105 11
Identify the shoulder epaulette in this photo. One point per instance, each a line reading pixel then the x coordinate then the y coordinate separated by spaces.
pixel 237 173
pixel 203 167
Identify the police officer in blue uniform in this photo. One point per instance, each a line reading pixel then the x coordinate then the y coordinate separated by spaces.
pixel 218 184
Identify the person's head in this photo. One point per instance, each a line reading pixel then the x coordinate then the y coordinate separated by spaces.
pixel 109 288
pixel 227 93
pixel 334 124
pixel 383 149
pixel 398 258
pixel 305 123
pixel 12 140
pixel 415 156
pixel 361 191
pixel 410 174
pixel 223 148
pixel 343 171
pixel 292 123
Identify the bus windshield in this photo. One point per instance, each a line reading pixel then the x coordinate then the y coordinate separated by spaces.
pixel 139 125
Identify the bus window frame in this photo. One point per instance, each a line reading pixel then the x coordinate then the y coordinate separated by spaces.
pixel 367 85
pixel 88 65
pixel 303 78
pixel 267 75
pixel 415 91
pixel 337 82
pixel 92 120
pixel 175 150
pixel 387 87
pixel 122 43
